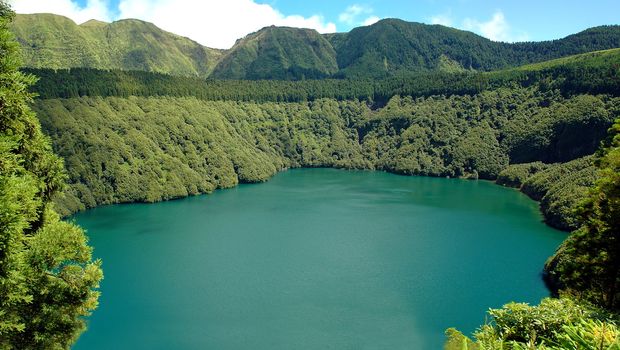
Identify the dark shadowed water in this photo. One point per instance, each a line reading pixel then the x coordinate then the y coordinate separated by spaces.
pixel 314 259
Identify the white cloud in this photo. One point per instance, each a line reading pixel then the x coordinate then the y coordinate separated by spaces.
pixel 350 15
pixel 94 9
pixel 444 20
pixel 371 20
pixel 497 28
pixel 215 23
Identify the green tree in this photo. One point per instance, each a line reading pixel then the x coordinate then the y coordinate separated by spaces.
pixel 588 262
pixel 48 279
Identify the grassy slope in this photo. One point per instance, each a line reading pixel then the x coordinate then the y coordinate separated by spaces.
pixel 51 41
pixel 601 58
pixel 393 46
pixel 280 53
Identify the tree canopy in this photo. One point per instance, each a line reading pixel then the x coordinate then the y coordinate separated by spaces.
pixel 48 278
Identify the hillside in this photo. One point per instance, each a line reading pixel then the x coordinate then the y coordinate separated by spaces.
pixel 387 48
pixel 53 41
pixel 278 53
pixel 391 46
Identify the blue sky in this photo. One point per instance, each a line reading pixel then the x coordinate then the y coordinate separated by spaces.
pixel 218 23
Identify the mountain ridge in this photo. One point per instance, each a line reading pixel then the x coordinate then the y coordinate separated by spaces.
pixel 53 41
pixel 386 48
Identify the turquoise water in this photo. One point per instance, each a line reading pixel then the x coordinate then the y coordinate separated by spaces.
pixel 314 259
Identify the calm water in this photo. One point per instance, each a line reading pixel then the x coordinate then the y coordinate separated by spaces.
pixel 314 259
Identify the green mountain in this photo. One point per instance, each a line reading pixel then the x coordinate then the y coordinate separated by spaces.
pixel 279 53
pixel 388 47
pixel 394 46
pixel 53 41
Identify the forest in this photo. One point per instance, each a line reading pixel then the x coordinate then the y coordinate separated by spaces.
pixel 590 73
pixel 195 146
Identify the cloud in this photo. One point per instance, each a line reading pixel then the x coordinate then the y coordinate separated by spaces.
pixel 444 20
pixel 216 23
pixel 497 28
pixel 351 14
pixel 213 23
pixel 371 20
pixel 94 9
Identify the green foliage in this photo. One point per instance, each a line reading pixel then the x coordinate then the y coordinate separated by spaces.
pixel 525 324
pixel 515 175
pixel 569 80
pixel 560 187
pixel 538 185
pixel 588 335
pixel 152 149
pixel 149 149
pixel 554 324
pixel 456 340
pixel 588 262
pixel 48 280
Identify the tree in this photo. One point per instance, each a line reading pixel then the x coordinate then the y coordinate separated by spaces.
pixel 588 262
pixel 48 279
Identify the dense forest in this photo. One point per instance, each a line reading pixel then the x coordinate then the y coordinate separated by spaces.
pixel 591 73
pixel 153 148
pixel 48 279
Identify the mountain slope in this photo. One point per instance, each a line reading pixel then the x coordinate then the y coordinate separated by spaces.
pixel 52 41
pixel 279 53
pixel 392 46
pixel 388 47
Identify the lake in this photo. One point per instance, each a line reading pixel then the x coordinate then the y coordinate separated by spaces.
pixel 315 259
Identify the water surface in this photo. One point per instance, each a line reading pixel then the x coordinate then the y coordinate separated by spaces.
pixel 314 259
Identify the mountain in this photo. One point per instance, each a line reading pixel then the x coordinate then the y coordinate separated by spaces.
pixel 388 47
pixel 52 41
pixel 392 46
pixel 279 53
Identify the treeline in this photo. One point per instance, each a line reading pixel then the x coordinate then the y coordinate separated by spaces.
pixel 593 73
pixel 559 187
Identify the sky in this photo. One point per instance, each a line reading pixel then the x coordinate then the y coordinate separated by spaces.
pixel 218 23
